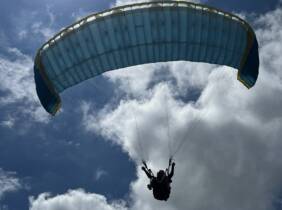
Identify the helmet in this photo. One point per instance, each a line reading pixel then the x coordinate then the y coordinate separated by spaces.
pixel 160 175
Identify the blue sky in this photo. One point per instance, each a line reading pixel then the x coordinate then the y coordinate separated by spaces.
pixel 86 156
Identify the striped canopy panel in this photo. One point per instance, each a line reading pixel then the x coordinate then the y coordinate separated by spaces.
pixel 143 33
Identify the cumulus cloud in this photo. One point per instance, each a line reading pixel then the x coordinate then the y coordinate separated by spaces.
pixel 15 72
pixel 8 182
pixel 73 200
pixel 17 85
pixel 231 155
pixel 134 80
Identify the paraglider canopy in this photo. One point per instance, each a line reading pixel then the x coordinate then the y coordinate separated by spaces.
pixel 149 32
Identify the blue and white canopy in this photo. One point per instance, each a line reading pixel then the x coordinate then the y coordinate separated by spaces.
pixel 143 33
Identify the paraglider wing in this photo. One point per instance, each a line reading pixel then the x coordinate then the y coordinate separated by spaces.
pixel 143 33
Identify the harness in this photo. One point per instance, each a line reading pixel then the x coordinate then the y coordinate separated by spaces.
pixel 161 188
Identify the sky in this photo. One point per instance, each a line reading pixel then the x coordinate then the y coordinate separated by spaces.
pixel 227 138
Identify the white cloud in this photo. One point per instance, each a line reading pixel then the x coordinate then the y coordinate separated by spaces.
pixel 17 84
pixel 231 158
pixel 99 174
pixel 9 122
pixel 134 80
pixel 8 182
pixel 73 200
pixel 16 77
pixel 28 24
pixel 45 29
pixel 190 74
pixel 39 28
pixel 137 80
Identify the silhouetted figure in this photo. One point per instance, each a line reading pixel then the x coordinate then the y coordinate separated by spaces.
pixel 160 184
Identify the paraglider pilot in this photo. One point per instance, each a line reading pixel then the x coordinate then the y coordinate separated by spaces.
pixel 160 184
